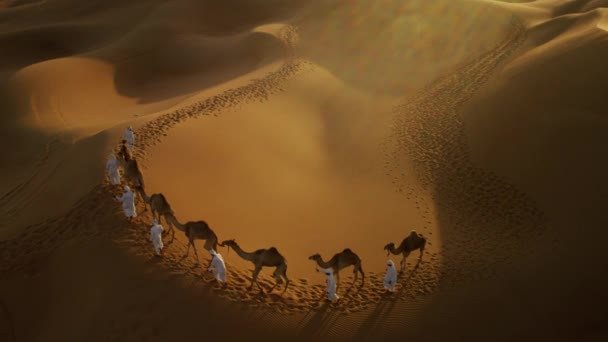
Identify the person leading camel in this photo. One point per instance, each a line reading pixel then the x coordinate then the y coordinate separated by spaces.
pixel 128 203
pixel 130 138
pixel 156 236
pixel 263 258
pixel 218 267
pixel 112 170
pixel 340 261
pixel 331 289
pixel 390 278
pixel 411 243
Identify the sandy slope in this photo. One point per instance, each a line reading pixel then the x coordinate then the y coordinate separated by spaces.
pixel 496 161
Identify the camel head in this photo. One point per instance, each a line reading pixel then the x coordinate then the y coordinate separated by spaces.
pixel 315 257
pixel 228 243
pixel 388 248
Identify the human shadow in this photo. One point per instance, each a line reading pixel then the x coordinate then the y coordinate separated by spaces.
pixel 318 323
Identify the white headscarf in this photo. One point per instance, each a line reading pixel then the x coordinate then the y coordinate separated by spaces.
pixel 127 188
pixel 112 156
pixel 212 252
pixel 390 263
pixel 154 222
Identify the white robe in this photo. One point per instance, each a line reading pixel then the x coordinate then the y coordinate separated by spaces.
pixel 218 267
pixel 128 203
pixel 156 236
pixel 130 138
pixel 112 169
pixel 331 285
pixel 390 279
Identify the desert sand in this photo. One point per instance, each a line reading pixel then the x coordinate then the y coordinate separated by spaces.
pixel 310 127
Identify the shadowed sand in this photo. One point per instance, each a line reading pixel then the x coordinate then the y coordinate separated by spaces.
pixel 279 130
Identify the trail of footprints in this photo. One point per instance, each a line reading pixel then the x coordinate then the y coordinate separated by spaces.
pixel 482 214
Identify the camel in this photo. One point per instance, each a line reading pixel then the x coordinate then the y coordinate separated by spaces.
pixel 340 261
pixel 159 205
pixel 263 258
pixel 411 243
pixel 132 173
pixel 197 230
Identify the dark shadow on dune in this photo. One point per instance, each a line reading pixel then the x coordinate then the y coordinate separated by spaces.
pixel 320 322
pixel 164 49
pixel 184 66
pixel 369 329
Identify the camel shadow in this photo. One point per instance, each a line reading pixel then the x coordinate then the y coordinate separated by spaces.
pixel 413 271
pixel 317 323
pixel 373 323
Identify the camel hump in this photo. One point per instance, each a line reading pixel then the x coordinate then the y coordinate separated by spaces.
pixel 273 249
pixel 347 250
pixel 164 199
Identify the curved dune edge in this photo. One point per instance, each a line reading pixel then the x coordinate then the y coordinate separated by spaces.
pixel 482 217
pixel 299 298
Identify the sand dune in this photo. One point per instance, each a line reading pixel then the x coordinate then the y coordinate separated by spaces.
pixel 310 127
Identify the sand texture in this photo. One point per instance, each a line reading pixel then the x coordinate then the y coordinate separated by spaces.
pixel 310 127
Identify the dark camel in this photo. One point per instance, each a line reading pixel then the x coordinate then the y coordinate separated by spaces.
pixel 160 206
pixel 263 258
pixel 132 173
pixel 340 261
pixel 198 230
pixel 411 243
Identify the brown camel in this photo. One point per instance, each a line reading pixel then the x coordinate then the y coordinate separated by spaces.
pixel 124 152
pixel 197 230
pixel 339 261
pixel 263 258
pixel 159 206
pixel 411 243
pixel 132 173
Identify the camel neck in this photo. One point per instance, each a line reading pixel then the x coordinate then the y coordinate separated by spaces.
pixel 172 219
pixel 398 250
pixel 244 255
pixel 322 263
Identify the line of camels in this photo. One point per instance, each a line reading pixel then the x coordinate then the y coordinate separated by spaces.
pixel 266 257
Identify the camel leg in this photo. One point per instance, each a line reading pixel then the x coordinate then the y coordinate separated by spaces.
pixel 362 275
pixel 188 250
pixel 195 252
pixel 402 265
pixel 286 283
pixel 254 279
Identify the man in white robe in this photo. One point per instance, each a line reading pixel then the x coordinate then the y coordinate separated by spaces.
pixel 130 138
pixel 331 285
pixel 112 169
pixel 390 279
pixel 128 203
pixel 156 236
pixel 218 267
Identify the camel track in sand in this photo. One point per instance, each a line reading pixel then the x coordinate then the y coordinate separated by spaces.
pixel 481 215
pixel 41 240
